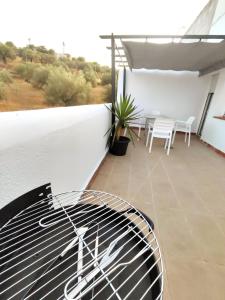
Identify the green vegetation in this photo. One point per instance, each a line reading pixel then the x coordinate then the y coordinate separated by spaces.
pixel 2 91
pixel 5 76
pixel 62 80
pixel 7 51
pixel 108 93
pixel 40 76
pixel 37 54
pixel 26 71
pixel 106 78
pixel 65 88
pixel 5 79
pixel 125 112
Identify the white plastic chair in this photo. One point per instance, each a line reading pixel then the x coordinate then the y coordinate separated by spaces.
pixel 184 126
pixel 163 129
pixel 139 123
pixel 150 127
pixel 149 122
pixel 155 113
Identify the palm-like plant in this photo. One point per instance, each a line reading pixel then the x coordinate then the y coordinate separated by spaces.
pixel 125 112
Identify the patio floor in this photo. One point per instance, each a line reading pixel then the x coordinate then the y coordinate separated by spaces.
pixel 184 194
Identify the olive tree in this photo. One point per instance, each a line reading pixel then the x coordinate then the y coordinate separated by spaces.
pixel 5 76
pixel 66 88
pixel 26 71
pixel 40 76
pixel 6 52
pixel 90 75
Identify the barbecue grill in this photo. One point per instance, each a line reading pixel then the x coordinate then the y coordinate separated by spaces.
pixel 79 245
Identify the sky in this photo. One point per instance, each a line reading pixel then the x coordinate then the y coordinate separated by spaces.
pixel 79 23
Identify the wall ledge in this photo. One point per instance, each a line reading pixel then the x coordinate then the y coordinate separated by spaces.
pixel 220 117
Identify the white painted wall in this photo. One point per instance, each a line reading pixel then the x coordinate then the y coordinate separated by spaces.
pixel 218 23
pixel 178 95
pixel 211 19
pixel 63 146
pixel 203 22
pixel 214 129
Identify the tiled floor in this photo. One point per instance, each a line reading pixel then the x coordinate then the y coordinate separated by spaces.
pixel 184 194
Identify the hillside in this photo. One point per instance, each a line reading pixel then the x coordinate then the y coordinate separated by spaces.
pixel 34 78
pixel 21 95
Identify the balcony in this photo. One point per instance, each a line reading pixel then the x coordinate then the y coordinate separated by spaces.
pixel 183 193
pixel 184 196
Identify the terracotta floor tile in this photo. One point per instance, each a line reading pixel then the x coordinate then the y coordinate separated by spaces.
pixel 217 275
pixel 184 194
pixel 178 241
pixel 205 229
pixel 220 220
pixel 189 280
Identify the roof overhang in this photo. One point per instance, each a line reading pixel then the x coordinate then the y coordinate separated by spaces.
pixel 179 55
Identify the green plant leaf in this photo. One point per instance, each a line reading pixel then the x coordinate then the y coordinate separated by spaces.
pixel 125 112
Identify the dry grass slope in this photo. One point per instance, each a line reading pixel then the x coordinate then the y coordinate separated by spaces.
pixel 97 95
pixel 21 95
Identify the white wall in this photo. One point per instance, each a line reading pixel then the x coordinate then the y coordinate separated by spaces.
pixel 63 146
pixel 211 19
pixel 214 129
pixel 203 22
pixel 175 94
pixel 218 23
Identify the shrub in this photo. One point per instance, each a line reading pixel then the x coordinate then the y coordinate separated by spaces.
pixel 60 63
pixel 90 75
pixel 40 76
pixel 108 93
pixel 66 62
pixel 65 88
pixel 26 71
pixel 80 63
pixel 6 53
pixel 2 91
pixel 47 58
pixel 5 76
pixel 106 78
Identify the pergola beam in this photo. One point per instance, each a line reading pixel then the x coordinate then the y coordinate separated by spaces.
pixel 187 36
pixel 146 36
pixel 118 48
pixel 122 62
pixel 219 65
pixel 113 78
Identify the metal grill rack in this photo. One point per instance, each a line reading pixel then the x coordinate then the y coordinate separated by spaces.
pixel 80 245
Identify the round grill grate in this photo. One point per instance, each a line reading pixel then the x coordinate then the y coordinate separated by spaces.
pixel 80 245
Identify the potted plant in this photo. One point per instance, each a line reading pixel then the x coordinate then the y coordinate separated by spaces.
pixel 125 112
